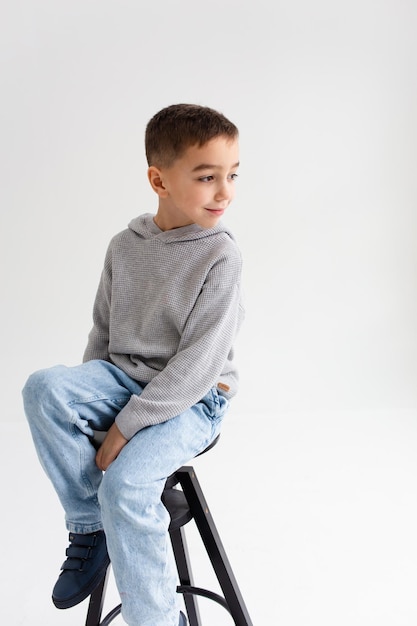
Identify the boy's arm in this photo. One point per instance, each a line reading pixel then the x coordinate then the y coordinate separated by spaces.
pixel 98 339
pixel 204 351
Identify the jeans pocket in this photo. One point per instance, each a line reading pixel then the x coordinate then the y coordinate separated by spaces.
pixel 215 405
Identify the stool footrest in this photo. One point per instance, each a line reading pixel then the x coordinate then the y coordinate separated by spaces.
pixel 205 593
pixel 110 616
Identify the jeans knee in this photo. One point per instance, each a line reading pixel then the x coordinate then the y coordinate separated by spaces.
pixel 35 386
pixel 37 389
pixel 118 493
pixel 109 490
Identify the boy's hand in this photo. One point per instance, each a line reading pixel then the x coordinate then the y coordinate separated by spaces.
pixel 110 448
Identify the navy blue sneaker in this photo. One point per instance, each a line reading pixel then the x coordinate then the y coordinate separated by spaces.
pixel 183 620
pixel 85 566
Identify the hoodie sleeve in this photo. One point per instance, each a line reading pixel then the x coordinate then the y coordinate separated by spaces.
pixel 202 356
pixel 98 339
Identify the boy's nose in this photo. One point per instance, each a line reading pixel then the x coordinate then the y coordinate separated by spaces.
pixel 224 192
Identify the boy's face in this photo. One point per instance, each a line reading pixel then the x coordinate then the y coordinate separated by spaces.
pixel 198 187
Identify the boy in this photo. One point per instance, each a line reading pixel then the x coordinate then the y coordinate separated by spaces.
pixel 157 373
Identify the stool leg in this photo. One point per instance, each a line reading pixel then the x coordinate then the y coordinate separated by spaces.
pixel 179 546
pixel 95 606
pixel 213 545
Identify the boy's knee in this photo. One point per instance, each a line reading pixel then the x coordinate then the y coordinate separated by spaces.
pixel 116 491
pixel 109 490
pixel 37 385
pixel 33 384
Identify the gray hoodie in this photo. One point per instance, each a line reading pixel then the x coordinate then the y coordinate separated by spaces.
pixel 167 311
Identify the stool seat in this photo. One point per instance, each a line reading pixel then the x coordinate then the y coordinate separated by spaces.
pixel 177 506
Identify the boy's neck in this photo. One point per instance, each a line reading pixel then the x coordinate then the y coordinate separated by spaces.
pixel 166 222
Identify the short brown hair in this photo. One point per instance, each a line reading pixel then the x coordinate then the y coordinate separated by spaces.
pixel 177 127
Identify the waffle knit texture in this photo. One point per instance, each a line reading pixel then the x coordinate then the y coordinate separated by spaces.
pixel 167 311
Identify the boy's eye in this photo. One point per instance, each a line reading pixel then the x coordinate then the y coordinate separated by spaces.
pixel 206 179
pixel 209 178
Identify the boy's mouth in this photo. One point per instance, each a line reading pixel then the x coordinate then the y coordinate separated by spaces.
pixel 216 211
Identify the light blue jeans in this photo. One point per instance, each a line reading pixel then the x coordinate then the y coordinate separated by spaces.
pixel 63 406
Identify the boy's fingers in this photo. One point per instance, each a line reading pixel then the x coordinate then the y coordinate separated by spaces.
pixel 108 451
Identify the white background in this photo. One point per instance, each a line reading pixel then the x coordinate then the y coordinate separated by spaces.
pixel 314 484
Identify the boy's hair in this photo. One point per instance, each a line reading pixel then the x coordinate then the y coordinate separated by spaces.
pixel 177 127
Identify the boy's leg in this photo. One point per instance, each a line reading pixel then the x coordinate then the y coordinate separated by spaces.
pixel 63 405
pixel 134 518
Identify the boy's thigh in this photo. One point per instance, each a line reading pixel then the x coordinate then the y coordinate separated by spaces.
pixel 91 380
pixel 89 395
pixel 84 381
pixel 157 451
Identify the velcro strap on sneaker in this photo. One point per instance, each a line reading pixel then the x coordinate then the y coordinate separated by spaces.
pixel 83 540
pixel 78 552
pixel 75 564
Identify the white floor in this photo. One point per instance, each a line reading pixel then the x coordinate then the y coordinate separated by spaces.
pixel 317 512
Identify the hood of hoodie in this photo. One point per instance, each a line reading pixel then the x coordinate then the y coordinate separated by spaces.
pixel 145 227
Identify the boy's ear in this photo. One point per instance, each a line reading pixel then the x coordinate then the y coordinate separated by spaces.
pixel 157 184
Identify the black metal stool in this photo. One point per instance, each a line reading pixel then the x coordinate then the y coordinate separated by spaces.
pixel 184 499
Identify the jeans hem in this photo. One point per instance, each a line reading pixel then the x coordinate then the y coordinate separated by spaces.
pixel 82 529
